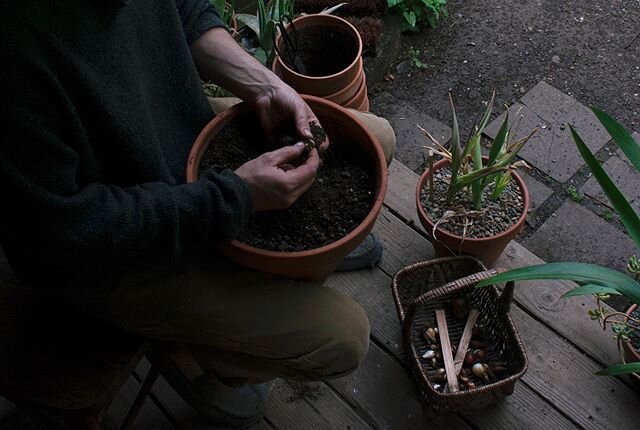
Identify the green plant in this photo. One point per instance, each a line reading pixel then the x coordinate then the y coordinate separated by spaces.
pixel 414 57
pixel 226 10
pixel 468 170
pixel 263 24
pixel 591 278
pixel 607 214
pixel 416 12
pixel 574 194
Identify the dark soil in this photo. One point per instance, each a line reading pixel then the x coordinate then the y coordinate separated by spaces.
pixel 323 50
pixel 336 203
pixel 302 391
pixel 583 48
pixel 493 217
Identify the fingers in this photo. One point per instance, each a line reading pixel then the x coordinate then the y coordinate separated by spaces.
pixel 306 172
pixel 303 116
pixel 285 155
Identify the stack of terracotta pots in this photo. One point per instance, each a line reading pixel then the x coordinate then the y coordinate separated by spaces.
pixel 347 87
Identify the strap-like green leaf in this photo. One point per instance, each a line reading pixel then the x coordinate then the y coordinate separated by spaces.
pixel 456 159
pixel 250 21
pixel 620 369
pixel 588 289
pixel 578 272
pixel 500 140
pixel 627 215
pixel 621 136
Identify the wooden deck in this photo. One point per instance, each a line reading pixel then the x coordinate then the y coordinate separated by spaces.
pixel 559 390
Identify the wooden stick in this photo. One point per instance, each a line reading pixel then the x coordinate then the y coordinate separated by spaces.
pixel 445 344
pixel 464 340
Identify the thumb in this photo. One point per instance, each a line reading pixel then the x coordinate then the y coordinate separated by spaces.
pixel 286 154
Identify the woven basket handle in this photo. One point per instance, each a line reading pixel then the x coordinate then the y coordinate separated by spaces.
pixel 467 281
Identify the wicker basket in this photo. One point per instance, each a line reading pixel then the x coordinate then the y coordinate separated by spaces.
pixel 422 288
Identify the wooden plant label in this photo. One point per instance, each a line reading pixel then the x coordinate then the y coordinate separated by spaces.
pixel 447 355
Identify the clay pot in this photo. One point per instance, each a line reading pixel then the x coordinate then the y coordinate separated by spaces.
pixel 486 249
pixel 630 354
pixel 340 87
pixel 314 264
pixel 359 98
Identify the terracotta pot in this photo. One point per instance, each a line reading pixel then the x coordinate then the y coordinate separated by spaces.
pixel 342 97
pixel 321 86
pixel 314 264
pixel 630 354
pixel 359 98
pixel 487 249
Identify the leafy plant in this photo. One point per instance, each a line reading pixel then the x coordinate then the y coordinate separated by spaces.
pixel 414 57
pixel 226 10
pixel 592 278
pixel 263 24
pixel 468 170
pixel 574 194
pixel 416 12
pixel 607 214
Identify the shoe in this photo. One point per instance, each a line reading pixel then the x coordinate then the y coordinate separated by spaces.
pixel 225 406
pixel 365 256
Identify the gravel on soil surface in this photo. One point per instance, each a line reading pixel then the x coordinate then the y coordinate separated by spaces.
pixel 494 216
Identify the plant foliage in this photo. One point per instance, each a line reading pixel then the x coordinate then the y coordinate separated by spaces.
pixel 263 24
pixel 417 12
pixel 226 10
pixel 468 169
pixel 591 278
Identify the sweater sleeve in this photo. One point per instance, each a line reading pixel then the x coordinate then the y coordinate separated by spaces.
pixel 66 226
pixel 198 16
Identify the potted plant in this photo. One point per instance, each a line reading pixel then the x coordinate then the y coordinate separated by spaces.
pixel 468 203
pixel 321 55
pixel 308 240
pixel 596 280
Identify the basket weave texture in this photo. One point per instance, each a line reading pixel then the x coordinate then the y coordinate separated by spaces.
pixel 422 288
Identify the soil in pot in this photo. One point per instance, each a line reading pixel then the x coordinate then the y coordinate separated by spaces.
pixel 323 50
pixel 338 201
pixel 492 219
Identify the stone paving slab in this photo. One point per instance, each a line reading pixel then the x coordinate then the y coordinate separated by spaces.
pixel 410 140
pixel 623 174
pixel 574 233
pixel 547 102
pixel 538 192
pixel 552 149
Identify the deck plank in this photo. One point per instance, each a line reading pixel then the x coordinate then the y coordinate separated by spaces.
pixel 372 290
pixel 382 392
pixel 310 406
pixel 290 406
pixel 558 386
pixel 150 417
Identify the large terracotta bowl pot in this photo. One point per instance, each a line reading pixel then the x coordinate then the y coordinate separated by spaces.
pixel 315 264
pixel 486 249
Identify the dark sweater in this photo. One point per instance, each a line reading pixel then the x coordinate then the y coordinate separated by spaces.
pixel 101 103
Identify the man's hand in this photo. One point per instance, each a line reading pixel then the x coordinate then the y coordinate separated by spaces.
pixel 281 104
pixel 273 182
pixel 221 60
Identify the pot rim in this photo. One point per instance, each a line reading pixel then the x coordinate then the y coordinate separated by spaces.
pixel 276 68
pixel 215 125
pixel 422 213
pixel 344 23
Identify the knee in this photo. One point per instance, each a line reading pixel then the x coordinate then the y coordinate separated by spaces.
pixel 343 341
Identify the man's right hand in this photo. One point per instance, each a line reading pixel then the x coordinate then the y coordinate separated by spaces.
pixel 273 182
